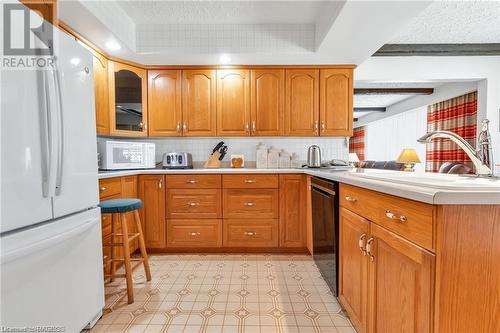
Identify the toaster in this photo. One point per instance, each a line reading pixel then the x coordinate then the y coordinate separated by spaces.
pixel 177 161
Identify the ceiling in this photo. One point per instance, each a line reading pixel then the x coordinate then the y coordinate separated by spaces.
pixel 249 32
pixel 453 22
pixel 223 12
pixel 385 100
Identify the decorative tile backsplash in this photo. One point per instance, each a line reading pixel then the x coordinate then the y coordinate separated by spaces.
pixel 201 148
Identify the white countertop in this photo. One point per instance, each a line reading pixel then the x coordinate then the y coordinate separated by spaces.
pixel 483 192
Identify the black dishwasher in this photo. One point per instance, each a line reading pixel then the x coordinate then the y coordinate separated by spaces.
pixel 325 225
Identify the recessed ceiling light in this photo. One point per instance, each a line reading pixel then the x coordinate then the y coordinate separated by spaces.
pixel 113 45
pixel 225 59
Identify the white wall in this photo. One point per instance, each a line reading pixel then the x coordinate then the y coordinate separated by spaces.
pixel 385 138
pixel 415 69
pixel 200 148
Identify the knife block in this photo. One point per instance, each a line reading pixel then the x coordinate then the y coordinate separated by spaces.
pixel 213 161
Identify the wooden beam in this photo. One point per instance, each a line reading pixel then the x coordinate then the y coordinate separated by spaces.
pixel 375 109
pixel 393 91
pixel 397 50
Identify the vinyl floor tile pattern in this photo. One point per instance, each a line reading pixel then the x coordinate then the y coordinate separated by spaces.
pixel 225 293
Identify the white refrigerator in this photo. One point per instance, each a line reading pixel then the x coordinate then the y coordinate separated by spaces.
pixel 50 233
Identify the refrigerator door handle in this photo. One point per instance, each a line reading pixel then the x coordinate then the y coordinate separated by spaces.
pixel 46 243
pixel 45 132
pixel 60 127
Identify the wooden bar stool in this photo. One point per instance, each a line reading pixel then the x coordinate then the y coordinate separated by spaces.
pixel 118 208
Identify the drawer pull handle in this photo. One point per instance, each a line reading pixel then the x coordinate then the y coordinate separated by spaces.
pixel 369 249
pixel 250 204
pixel 250 181
pixel 191 181
pixel 192 204
pixel 394 217
pixel 103 188
pixel 250 233
pixel 194 234
pixel 361 244
pixel 348 198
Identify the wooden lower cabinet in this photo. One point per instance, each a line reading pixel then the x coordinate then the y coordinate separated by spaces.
pixel 400 284
pixel 194 233
pixel 353 274
pixel 250 233
pixel 196 204
pixel 292 196
pixel 215 211
pixel 151 191
pixel 251 204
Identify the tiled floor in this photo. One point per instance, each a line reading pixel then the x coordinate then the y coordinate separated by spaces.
pixel 225 293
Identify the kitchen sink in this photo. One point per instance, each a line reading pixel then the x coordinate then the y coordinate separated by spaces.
pixel 434 180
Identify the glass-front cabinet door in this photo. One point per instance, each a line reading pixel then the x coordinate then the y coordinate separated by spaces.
pixel 128 100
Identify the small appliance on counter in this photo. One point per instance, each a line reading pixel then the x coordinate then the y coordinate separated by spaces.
pixel 177 161
pixel 314 157
pixel 121 155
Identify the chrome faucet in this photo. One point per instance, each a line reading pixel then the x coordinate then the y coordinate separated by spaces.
pixel 482 158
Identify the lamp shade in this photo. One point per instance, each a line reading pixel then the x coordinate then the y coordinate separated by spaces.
pixel 353 158
pixel 408 155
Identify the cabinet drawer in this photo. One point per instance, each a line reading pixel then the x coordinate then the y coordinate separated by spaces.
pixel 194 233
pixel 250 233
pixel 202 203
pixel 252 204
pixel 194 181
pixel 109 187
pixel 250 181
pixel 410 219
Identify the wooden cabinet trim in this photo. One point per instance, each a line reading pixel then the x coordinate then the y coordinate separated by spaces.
pixel 295 112
pixel 336 102
pixel 267 118
pixel 196 121
pixel 419 226
pixel 353 268
pixel 165 115
pixel 406 284
pixel 250 181
pixel 194 203
pixel 233 103
pixel 194 233
pixel 115 67
pixel 292 225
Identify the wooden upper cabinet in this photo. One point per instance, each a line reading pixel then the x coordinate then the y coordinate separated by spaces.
pixel 292 224
pixel 128 100
pixel 336 93
pixel 353 271
pixel 164 101
pixel 153 217
pixel 101 93
pixel 302 102
pixel 199 102
pixel 400 284
pixel 267 101
pixel 233 102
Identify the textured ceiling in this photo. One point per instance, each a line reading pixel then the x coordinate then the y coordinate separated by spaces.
pixel 223 12
pixel 453 22
pixel 249 32
pixel 373 101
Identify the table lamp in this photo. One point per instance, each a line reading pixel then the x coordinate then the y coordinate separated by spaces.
pixel 353 158
pixel 409 157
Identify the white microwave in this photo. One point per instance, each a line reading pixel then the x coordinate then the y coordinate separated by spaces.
pixel 119 155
